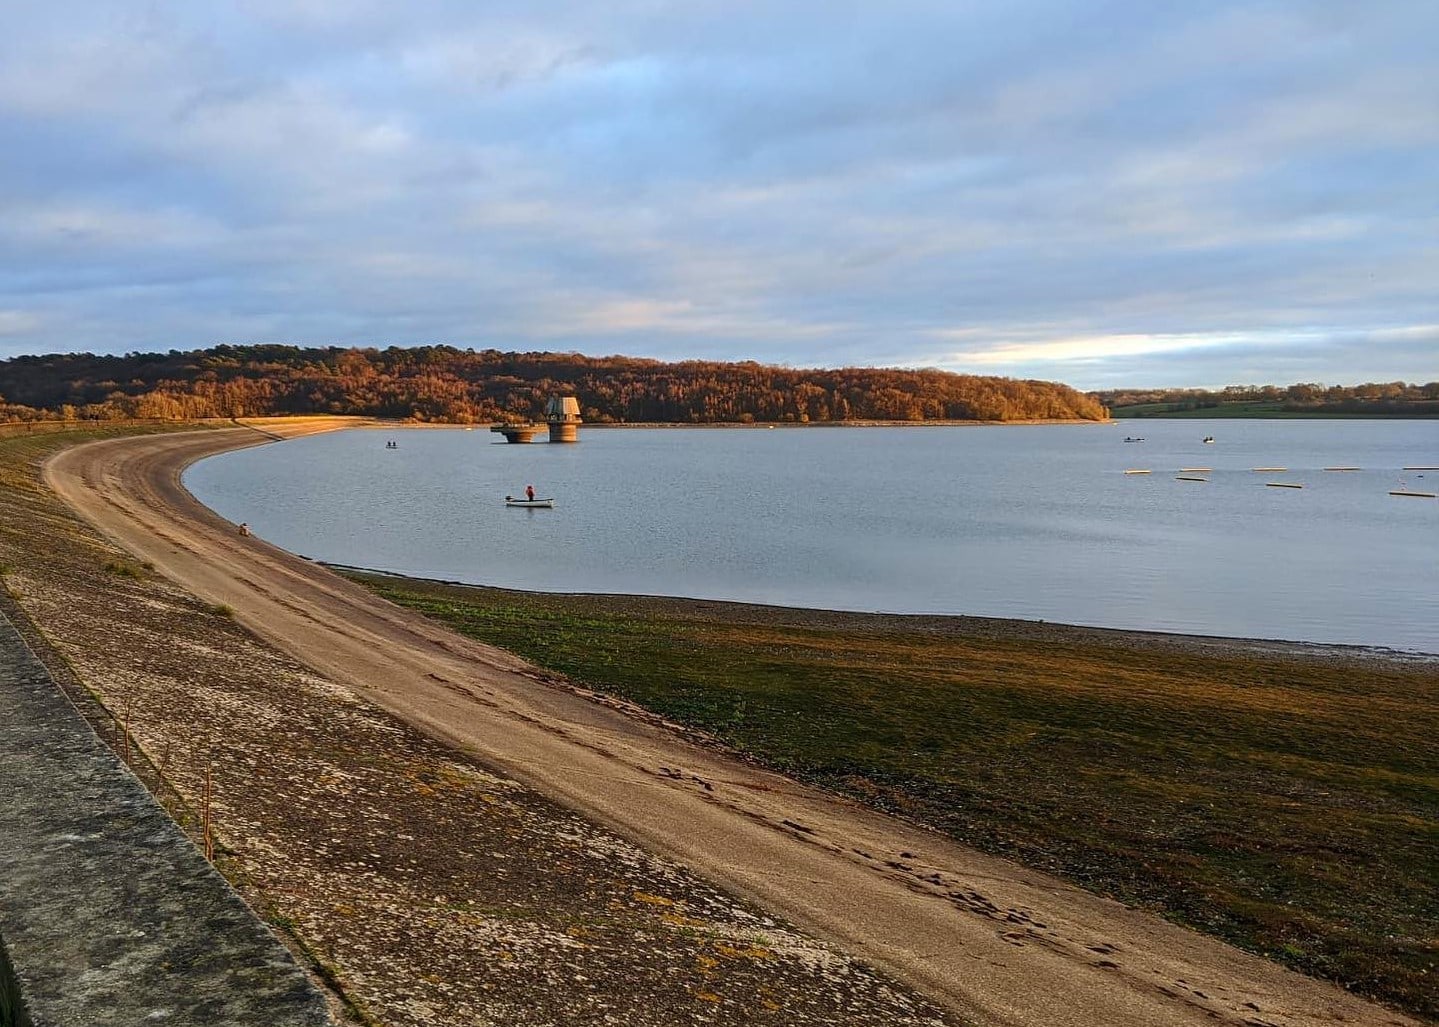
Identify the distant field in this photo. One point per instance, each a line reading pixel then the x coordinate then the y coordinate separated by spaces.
pixel 1286 802
pixel 1258 409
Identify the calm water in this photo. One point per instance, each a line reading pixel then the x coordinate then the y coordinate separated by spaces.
pixel 1037 522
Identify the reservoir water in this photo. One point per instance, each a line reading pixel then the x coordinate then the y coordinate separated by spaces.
pixel 1029 521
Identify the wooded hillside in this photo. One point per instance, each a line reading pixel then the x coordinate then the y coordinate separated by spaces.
pixel 1373 399
pixel 441 383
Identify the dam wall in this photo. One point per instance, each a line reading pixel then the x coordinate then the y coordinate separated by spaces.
pixel 108 914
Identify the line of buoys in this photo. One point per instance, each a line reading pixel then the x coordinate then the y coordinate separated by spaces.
pixel 1417 495
pixel 1282 485
pixel 1257 470
pixel 1186 477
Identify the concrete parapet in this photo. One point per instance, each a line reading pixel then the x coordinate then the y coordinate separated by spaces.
pixel 516 432
pixel 108 914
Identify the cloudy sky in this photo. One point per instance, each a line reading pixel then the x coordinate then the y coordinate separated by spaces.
pixel 1106 193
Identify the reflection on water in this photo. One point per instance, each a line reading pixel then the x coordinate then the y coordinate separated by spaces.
pixel 1037 522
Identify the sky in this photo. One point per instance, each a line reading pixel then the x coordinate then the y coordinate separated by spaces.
pixel 1107 193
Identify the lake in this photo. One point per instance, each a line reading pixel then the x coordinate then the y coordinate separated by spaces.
pixel 1029 521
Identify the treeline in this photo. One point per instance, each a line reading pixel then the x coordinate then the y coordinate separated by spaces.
pixel 1399 399
pixel 441 383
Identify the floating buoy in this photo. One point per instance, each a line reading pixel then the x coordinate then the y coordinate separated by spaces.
pixel 1183 477
pixel 1282 485
pixel 1417 495
pixel 1138 472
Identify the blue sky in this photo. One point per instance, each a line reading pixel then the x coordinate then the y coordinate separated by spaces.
pixel 1110 193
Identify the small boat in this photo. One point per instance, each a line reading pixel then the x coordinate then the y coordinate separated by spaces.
pixel 1208 440
pixel 1416 495
pixel 1128 439
pixel 533 504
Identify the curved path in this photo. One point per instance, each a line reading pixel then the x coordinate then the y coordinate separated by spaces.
pixel 993 941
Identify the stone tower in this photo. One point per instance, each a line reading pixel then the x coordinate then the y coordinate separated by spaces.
pixel 563 415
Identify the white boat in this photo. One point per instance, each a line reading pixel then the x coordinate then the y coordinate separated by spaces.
pixel 533 504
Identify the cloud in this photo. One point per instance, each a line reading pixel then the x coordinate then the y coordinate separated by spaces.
pixel 18 322
pixel 1088 349
pixel 1171 193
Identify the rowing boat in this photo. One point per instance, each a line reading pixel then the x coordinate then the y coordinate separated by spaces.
pixel 533 504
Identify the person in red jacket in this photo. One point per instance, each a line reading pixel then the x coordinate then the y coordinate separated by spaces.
pixel 530 493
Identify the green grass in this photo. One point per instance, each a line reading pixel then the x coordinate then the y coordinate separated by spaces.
pixel 1287 804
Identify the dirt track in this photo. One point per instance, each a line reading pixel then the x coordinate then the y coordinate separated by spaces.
pixel 991 940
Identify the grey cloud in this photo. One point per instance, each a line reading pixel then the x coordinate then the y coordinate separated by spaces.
pixel 810 184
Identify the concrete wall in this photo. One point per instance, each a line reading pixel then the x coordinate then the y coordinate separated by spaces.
pixel 108 914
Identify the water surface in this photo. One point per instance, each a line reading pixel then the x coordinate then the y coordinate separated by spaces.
pixel 1036 522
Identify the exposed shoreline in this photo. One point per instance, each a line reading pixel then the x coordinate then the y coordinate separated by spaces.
pixel 943 623
pixel 875 885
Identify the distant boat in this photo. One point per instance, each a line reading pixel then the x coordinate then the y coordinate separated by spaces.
pixel 1208 439
pixel 533 504
pixel 1128 439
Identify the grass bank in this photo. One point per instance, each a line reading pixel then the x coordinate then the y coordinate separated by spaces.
pixel 1286 800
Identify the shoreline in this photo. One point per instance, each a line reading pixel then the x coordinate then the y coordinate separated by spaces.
pixel 720 425
pixel 942 623
pixel 971 930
